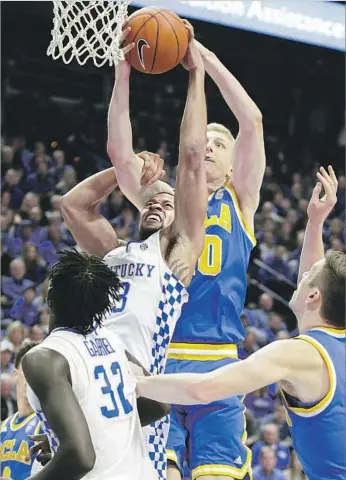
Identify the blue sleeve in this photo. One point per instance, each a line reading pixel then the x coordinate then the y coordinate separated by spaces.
pixel 255 452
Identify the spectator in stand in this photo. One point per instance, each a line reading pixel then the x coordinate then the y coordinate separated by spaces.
pixel 10 184
pixel 267 470
pixel 8 402
pixel 41 181
pixel 260 403
pixel 15 335
pixel 278 262
pixel 57 171
pixel 275 325
pixel 30 201
pixel 36 334
pixel 68 181
pixel 278 417
pixel 249 344
pixel 43 320
pixel 14 285
pixel 41 300
pixel 270 438
pixel 262 313
pixel 36 270
pixel 24 310
pixel 7 364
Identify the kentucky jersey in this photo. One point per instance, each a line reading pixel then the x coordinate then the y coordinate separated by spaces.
pixel 319 431
pixel 105 389
pixel 15 445
pixel 218 289
pixel 145 318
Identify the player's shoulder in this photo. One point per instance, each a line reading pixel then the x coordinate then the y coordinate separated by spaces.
pixel 5 424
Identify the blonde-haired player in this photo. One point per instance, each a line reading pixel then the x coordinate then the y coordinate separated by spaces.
pixel 207 334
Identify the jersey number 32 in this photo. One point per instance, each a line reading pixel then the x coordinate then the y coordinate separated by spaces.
pixel 113 389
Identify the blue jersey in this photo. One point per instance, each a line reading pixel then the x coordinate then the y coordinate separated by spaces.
pixel 319 431
pixel 218 288
pixel 15 445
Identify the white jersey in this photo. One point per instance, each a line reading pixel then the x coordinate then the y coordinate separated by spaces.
pixel 145 318
pixel 105 389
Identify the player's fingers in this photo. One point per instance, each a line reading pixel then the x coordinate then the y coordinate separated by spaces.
pixel 327 177
pixel 125 32
pixel 333 176
pixel 326 185
pixel 34 449
pixel 317 191
pixel 38 438
pixel 44 458
pixel 152 172
pixel 128 48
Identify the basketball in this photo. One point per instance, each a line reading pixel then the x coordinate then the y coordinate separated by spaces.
pixel 160 39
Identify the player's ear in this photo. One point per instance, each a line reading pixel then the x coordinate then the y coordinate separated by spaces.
pixel 314 299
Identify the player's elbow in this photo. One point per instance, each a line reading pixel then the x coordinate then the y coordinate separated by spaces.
pixel 84 459
pixel 252 121
pixel 201 392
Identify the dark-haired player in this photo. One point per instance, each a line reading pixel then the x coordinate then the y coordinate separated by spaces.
pixel 16 430
pixel 310 367
pixel 79 381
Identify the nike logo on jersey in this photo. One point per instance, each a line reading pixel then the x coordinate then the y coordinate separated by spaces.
pixel 130 270
pixel 140 45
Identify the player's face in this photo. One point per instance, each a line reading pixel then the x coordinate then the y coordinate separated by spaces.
pixel 158 213
pixel 307 296
pixel 218 155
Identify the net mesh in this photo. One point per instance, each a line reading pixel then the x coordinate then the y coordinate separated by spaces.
pixel 88 30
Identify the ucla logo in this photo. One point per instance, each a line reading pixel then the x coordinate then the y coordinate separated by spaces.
pixel 219 194
pixel 143 246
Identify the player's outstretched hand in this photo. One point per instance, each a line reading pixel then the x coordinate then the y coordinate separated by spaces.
pixel 153 168
pixel 123 66
pixel 320 207
pixel 41 448
pixel 192 59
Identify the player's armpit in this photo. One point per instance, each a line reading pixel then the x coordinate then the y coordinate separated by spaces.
pixel 75 456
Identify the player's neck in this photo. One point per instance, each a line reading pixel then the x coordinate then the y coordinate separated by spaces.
pixel 215 185
pixel 24 409
pixel 311 320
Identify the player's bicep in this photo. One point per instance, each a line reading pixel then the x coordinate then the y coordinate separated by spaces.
pixel 59 404
pixel 92 232
pixel 249 166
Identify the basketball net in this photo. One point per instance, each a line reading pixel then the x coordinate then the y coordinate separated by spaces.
pixel 90 29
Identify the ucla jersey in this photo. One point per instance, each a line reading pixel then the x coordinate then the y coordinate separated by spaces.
pixel 15 445
pixel 105 390
pixel 319 431
pixel 218 289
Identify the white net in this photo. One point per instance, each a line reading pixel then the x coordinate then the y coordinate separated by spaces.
pixel 84 30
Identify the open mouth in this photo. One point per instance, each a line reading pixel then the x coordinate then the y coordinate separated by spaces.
pixel 153 217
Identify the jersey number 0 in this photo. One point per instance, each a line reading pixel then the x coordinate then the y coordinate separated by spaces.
pixel 110 392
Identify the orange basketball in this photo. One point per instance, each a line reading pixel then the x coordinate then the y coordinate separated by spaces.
pixel 160 39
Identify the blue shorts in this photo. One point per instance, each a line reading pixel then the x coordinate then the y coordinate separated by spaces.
pixel 210 438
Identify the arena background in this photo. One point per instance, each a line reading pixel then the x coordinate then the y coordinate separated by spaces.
pixel 54 135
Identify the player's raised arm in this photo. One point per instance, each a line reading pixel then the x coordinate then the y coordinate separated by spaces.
pixel 132 177
pixel 75 456
pixel 191 194
pixel 281 360
pixel 318 211
pixel 249 154
pixel 79 207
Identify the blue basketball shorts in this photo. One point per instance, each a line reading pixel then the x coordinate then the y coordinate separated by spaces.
pixel 209 438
